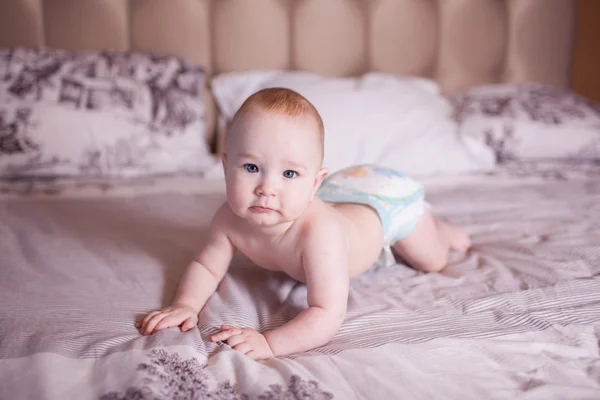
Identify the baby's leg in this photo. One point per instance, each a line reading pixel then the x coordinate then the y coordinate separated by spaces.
pixel 427 247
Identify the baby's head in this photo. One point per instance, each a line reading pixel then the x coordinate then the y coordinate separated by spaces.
pixel 273 157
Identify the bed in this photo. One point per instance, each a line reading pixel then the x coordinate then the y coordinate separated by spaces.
pixel 83 256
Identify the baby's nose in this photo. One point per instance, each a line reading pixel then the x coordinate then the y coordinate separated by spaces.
pixel 265 188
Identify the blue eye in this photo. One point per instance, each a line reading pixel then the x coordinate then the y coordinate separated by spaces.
pixel 251 168
pixel 290 174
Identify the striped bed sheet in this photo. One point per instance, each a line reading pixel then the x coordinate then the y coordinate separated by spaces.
pixel 516 318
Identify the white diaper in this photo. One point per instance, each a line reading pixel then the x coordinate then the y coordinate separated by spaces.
pixel 398 200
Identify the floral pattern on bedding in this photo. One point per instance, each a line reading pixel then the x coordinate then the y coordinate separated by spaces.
pixel 105 113
pixel 541 103
pixel 171 377
pixel 529 121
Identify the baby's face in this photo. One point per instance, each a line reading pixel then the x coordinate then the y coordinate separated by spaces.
pixel 272 167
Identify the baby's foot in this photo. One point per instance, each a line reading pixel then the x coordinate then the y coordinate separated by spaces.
pixel 457 238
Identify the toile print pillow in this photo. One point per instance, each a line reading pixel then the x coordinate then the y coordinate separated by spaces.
pixel 101 114
pixel 530 122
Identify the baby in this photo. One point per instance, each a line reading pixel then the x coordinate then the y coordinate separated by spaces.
pixel 284 215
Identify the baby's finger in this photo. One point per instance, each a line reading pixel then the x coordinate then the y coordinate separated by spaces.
pixel 150 327
pixel 224 335
pixel 147 318
pixel 169 321
pixel 221 336
pixel 188 324
pixel 243 347
pixel 235 340
pixel 226 327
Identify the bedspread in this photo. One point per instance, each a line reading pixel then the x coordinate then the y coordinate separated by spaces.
pixel 518 317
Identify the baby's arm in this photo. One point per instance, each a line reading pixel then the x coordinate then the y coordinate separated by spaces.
pixel 326 272
pixel 205 273
pixel 198 283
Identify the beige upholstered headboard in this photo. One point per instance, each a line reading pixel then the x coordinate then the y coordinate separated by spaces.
pixel 459 43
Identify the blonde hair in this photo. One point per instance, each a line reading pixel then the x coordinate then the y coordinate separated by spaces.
pixel 284 102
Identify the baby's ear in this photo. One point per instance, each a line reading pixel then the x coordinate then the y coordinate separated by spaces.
pixel 224 162
pixel 321 175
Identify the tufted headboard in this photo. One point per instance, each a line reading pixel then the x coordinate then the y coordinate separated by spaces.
pixel 459 43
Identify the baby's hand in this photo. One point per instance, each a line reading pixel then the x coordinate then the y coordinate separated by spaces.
pixel 168 317
pixel 245 340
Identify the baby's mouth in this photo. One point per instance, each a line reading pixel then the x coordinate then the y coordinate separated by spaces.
pixel 261 210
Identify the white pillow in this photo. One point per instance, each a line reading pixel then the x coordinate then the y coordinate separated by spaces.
pixel 529 122
pixel 394 122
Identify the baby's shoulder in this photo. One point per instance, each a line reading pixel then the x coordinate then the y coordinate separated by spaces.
pixel 223 218
pixel 323 224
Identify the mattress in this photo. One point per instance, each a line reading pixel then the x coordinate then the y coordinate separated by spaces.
pixel 518 317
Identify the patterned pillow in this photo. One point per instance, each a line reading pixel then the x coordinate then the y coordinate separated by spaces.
pixel 530 121
pixel 107 114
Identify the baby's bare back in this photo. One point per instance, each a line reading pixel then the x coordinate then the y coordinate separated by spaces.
pixel 359 224
pixel 365 235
